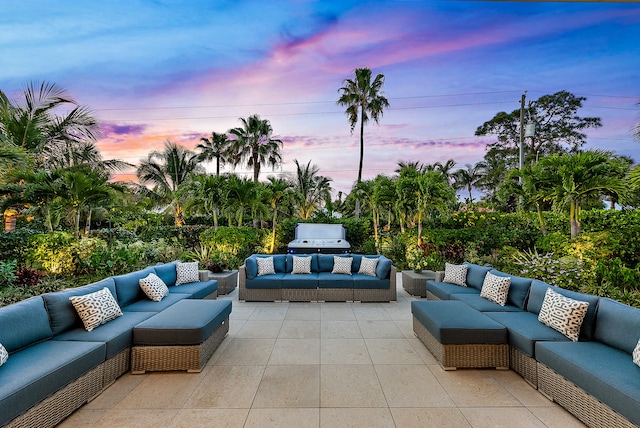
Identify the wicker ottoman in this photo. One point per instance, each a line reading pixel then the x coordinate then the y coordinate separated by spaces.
pixel 182 337
pixel 460 336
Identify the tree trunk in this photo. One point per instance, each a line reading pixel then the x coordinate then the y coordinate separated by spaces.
pixel 357 210
pixel 215 218
pixel 375 229
pixel 76 231
pixel 273 231
pixel 543 226
pixel 419 228
pixel 87 228
pixel 573 218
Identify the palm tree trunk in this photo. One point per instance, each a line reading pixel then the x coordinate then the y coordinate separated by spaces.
pixel 76 231
pixel 217 166
pixel 573 219
pixel 87 228
pixel 375 228
pixel 543 226
pixel 215 218
pixel 419 227
pixel 356 213
pixel 470 197
pixel 273 231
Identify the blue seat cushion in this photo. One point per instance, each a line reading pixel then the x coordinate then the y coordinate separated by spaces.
pixel 361 281
pixel 197 290
pixel 148 305
pixel 454 322
pixel 334 280
pixel 484 305
pixel 128 286
pixel 606 373
pixel 167 273
pixel 476 274
pixel 518 289
pixel 62 314
pixel 618 325
pixel 524 330
pixel 189 322
pixel 24 323
pixel 536 297
pixel 306 281
pixel 266 281
pixel 444 290
pixel 117 333
pixel 34 373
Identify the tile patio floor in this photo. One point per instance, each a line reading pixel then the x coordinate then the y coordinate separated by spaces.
pixel 322 365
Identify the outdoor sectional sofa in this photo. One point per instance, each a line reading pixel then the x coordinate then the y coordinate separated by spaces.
pixel 594 378
pixel 320 284
pixel 55 365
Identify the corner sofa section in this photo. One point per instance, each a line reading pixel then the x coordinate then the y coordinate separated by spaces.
pixel 320 284
pixel 55 365
pixel 594 378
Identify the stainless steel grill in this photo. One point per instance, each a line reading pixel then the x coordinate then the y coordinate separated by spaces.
pixel 319 238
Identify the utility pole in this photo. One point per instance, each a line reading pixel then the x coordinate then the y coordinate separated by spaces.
pixel 522 101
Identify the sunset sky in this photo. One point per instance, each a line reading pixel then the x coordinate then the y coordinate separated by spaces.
pixel 178 70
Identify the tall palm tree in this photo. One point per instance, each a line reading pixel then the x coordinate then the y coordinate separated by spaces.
pixel 310 189
pixel 580 176
pixel 166 170
pixel 278 189
pixel 216 147
pixel 207 194
pixel 468 177
pixel 446 169
pixel 364 100
pixel 243 197
pixel 254 145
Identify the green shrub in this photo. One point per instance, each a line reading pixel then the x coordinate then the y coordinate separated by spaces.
pixel 566 272
pixel 14 244
pixel 53 252
pixel 7 273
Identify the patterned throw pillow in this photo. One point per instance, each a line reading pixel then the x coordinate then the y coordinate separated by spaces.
pixel 301 265
pixel 455 274
pixel 154 287
pixel 495 288
pixel 186 273
pixel 4 355
pixel 96 308
pixel 636 354
pixel 265 266
pixel 342 265
pixel 563 314
pixel 368 266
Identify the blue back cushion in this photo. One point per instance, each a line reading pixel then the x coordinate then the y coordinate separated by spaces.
pixel 518 290
pixel 251 267
pixel 383 268
pixel 536 297
pixel 476 274
pixel 617 325
pixel 166 272
pixel 62 314
pixel 325 262
pixel 128 286
pixel 24 323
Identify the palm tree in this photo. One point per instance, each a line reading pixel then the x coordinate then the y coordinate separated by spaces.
pixel 310 189
pixel 445 168
pixel 166 170
pixel 468 177
pixel 433 194
pixel 364 100
pixel 253 144
pixel 206 193
pixel 278 189
pixel 243 197
pixel 216 147
pixel 377 194
pixel 580 176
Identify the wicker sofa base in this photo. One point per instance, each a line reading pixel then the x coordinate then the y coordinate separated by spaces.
pixel 116 366
pixel 583 406
pixel 375 294
pixel 299 294
pixel 431 296
pixel 452 357
pixel 191 358
pixel 524 365
pixel 335 294
pixel 53 409
pixel 259 294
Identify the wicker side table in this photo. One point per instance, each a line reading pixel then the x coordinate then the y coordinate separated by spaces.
pixel 227 280
pixel 415 282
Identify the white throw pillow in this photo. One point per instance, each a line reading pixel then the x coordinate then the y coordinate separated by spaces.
pixel 455 274
pixel 636 354
pixel 96 308
pixel 368 266
pixel 495 288
pixel 4 355
pixel 154 287
pixel 265 266
pixel 563 314
pixel 186 273
pixel 301 265
pixel 342 265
